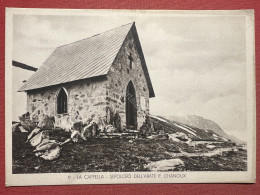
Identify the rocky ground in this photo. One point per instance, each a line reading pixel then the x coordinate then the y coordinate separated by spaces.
pixel 157 153
pixel 99 146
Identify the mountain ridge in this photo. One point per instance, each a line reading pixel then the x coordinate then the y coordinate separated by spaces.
pixel 202 123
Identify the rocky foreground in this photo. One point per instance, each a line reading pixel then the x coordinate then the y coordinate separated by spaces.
pixel 42 148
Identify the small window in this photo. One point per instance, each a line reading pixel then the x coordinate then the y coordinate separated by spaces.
pixel 62 102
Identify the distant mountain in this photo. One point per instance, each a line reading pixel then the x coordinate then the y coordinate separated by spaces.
pixel 194 133
pixel 202 123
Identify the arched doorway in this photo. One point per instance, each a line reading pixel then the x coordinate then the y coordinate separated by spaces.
pixel 62 105
pixel 131 108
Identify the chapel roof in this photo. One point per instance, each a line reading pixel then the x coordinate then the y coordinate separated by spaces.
pixel 86 58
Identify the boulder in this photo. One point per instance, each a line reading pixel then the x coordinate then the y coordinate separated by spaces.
pixel 46 145
pixel 152 137
pixel 149 123
pixel 117 122
pixel 46 122
pixel 166 165
pixel 37 139
pixel 22 130
pixel 75 136
pixel 78 126
pixel 86 133
pixel 27 124
pixel 15 127
pixel 173 138
pixel 63 122
pixel 110 116
pixel 66 141
pixel 147 126
pixel 110 129
pixel 26 115
pixel 102 124
pixel 90 131
pixel 152 127
pixel 161 132
pixel 51 154
pixel 94 129
pixel 87 121
pixel 58 135
pixel 100 121
pixel 179 137
pixel 144 129
pixel 33 133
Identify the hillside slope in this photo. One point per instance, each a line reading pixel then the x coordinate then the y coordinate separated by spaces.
pixel 194 133
pixel 202 123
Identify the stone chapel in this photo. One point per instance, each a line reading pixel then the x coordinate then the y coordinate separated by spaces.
pixel 91 77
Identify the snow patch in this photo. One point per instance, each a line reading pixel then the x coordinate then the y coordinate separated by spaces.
pixel 188 128
pixel 160 119
pixel 184 128
pixel 224 139
pixel 210 146
pixel 165 165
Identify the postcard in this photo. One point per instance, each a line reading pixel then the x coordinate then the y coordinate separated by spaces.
pixel 129 96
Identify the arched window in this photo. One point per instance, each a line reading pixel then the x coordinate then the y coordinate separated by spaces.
pixel 62 102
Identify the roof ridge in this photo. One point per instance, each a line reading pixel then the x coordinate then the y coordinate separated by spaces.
pixel 95 35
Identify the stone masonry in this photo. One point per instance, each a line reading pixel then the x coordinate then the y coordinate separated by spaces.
pixel 120 75
pixel 95 97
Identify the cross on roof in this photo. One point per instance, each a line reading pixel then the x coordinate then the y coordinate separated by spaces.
pixel 131 60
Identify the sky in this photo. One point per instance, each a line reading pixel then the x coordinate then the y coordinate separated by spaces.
pixel 197 65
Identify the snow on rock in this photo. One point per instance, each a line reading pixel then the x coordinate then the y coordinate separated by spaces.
pixel 165 165
pixel 179 136
pixel 188 127
pixel 184 128
pixel 66 141
pixel 217 152
pixel 215 135
pixel 152 136
pixel 160 119
pixel 224 139
pixel 210 146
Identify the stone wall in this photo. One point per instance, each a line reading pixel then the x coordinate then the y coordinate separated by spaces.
pixel 120 75
pixel 85 99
